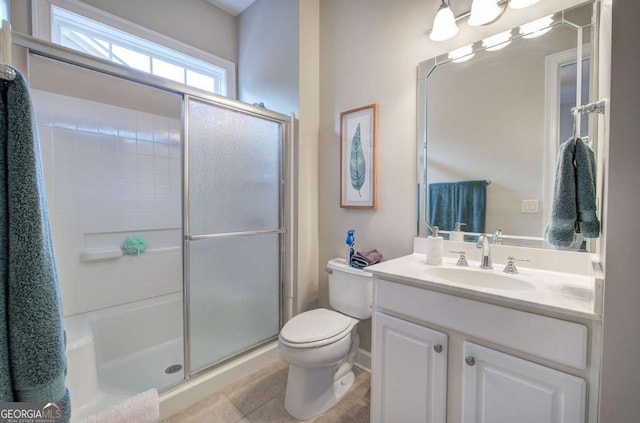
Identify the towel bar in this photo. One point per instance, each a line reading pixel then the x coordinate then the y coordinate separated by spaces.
pixel 597 107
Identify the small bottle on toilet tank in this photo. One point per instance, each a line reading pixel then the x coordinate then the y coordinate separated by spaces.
pixel 350 247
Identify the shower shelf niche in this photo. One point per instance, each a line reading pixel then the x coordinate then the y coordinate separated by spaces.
pixel 102 246
pixel 115 253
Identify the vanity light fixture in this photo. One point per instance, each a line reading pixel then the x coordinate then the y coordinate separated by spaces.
pixel 483 12
pixel 497 42
pixel 462 54
pixel 444 24
pixel 536 28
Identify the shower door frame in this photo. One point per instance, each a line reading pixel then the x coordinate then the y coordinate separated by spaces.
pixel 288 172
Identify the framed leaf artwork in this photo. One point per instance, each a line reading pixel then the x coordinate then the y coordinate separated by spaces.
pixel 358 133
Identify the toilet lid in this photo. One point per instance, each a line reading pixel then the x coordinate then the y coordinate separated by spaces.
pixel 315 325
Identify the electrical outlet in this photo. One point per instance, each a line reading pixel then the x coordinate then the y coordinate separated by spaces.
pixel 530 206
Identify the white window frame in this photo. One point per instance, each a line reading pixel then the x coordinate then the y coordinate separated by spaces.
pixel 131 35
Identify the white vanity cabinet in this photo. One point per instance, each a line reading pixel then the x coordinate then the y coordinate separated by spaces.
pixel 411 380
pixel 486 370
pixel 501 388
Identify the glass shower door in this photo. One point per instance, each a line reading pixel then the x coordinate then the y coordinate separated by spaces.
pixel 233 228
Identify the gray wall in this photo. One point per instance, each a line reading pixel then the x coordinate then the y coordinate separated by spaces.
pixel 621 349
pixel 268 54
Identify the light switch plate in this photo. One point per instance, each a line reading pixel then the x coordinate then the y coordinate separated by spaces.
pixel 530 206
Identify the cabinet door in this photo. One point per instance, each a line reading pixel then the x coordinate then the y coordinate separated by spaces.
pixel 409 377
pixel 500 388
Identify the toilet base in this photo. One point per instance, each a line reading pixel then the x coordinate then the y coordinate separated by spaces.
pixel 319 376
pixel 316 390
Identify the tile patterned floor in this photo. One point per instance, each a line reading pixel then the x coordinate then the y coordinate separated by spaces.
pixel 259 398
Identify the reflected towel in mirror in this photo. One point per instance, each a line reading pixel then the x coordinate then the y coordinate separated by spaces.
pixel 464 202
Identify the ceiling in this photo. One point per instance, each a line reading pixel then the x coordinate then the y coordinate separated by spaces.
pixel 235 7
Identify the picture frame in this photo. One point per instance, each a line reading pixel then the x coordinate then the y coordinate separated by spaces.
pixel 358 157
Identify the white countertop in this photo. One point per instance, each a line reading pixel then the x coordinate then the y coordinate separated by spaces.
pixel 565 293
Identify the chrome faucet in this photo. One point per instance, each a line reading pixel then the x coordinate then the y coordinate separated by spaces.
pixel 485 260
pixel 497 237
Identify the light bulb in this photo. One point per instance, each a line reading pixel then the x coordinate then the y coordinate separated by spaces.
pixel 444 24
pixel 536 28
pixel 497 42
pixel 461 54
pixel 483 12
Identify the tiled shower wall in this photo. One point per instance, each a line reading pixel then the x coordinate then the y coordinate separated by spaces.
pixel 111 172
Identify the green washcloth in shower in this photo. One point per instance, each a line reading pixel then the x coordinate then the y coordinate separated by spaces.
pixel 134 245
pixel 32 341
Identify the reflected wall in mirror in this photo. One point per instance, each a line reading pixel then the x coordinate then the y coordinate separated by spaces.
pixel 499 115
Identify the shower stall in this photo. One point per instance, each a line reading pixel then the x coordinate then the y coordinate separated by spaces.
pixel 198 187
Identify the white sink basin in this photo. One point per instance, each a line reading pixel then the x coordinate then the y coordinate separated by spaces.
pixel 480 278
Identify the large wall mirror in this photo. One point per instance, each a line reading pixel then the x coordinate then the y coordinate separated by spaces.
pixel 497 113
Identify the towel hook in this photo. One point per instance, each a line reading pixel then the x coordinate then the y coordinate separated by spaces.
pixel 575 112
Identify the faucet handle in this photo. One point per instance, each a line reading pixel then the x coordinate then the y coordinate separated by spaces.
pixel 462 261
pixel 511 265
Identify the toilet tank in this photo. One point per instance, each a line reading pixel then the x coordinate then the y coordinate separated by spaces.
pixel 349 289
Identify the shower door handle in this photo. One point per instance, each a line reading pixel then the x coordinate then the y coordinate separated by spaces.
pixel 232 234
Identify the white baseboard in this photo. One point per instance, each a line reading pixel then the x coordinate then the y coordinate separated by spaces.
pixel 363 360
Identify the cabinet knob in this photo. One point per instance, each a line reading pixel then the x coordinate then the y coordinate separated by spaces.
pixel 437 348
pixel 470 360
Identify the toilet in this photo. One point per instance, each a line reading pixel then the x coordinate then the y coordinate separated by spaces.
pixel 321 345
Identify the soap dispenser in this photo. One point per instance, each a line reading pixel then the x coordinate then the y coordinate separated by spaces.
pixel 457 234
pixel 434 247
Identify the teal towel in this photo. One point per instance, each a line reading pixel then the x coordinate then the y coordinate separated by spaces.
pixel 585 165
pixel 573 208
pixel 32 343
pixel 472 205
pixel 443 205
pixel 464 202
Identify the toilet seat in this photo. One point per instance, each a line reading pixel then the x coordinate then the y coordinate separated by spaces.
pixel 316 328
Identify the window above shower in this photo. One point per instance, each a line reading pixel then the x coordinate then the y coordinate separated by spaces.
pixel 89 30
